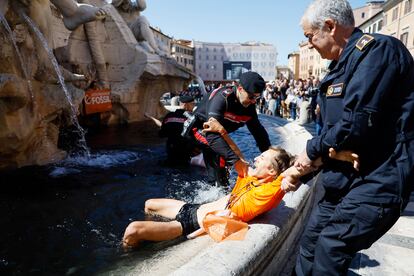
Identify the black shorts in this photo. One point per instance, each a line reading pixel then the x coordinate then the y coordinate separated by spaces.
pixel 187 216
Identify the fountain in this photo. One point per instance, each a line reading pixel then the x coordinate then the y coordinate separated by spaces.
pixel 73 110
pixel 49 62
pixel 68 217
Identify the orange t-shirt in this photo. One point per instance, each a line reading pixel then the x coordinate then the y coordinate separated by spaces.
pixel 255 198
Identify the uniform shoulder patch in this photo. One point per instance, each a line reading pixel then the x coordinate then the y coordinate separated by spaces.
pixel 335 90
pixel 364 41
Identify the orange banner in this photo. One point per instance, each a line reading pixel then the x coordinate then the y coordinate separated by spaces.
pixel 97 101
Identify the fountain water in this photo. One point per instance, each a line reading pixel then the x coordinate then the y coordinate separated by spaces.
pixel 82 147
pixel 19 56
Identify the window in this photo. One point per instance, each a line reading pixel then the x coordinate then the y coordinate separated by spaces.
pixel 407 7
pixel 374 28
pixel 207 57
pixel 394 14
pixel 379 25
pixel 363 15
pixel 207 66
pixel 404 38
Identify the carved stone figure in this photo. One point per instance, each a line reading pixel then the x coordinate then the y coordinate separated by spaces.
pixel 140 26
pixel 74 15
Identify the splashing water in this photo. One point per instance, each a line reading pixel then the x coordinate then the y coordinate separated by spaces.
pixel 103 160
pixel 84 151
pixel 19 56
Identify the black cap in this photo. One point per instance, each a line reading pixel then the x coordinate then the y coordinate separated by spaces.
pixel 252 82
pixel 186 99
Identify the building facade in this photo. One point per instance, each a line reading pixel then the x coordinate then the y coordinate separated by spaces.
pixel 399 21
pixel 226 61
pixel 293 64
pixel 371 8
pixel 183 52
pixel 375 24
pixel 284 72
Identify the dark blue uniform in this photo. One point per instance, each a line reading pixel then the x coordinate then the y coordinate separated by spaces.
pixel 223 105
pixel 367 105
pixel 179 149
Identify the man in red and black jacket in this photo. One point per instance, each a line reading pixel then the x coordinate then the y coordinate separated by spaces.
pixel 233 107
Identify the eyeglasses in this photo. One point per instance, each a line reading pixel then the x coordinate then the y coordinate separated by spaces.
pixel 311 35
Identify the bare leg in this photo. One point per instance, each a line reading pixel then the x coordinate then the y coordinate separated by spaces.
pixel 75 14
pixel 138 231
pixel 165 207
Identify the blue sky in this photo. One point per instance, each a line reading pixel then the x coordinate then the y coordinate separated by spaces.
pixel 270 21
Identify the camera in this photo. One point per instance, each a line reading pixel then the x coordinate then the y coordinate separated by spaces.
pixel 188 124
pixel 313 92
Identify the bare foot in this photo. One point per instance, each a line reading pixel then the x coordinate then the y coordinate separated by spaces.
pixel 84 14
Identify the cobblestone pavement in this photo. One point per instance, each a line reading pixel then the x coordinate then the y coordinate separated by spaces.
pixel 393 254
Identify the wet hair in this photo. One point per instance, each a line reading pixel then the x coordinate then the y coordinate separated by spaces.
pixel 320 10
pixel 282 159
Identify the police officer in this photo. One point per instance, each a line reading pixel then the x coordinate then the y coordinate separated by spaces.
pixel 179 149
pixel 367 104
pixel 233 107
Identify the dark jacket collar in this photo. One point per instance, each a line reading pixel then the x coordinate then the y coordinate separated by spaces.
pixel 349 48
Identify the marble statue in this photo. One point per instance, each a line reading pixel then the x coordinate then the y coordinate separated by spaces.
pixel 74 14
pixel 140 26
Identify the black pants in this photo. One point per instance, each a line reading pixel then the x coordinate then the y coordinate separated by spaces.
pixel 216 170
pixel 336 231
pixel 215 164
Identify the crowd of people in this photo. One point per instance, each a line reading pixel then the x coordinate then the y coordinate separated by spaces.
pixel 291 99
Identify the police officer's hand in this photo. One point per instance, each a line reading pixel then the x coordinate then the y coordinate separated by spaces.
pixel 304 165
pixel 241 167
pixel 212 125
pixel 345 155
pixel 290 180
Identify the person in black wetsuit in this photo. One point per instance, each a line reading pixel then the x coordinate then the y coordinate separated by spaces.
pixel 233 107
